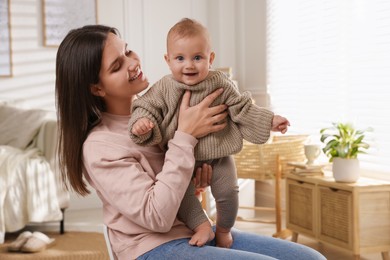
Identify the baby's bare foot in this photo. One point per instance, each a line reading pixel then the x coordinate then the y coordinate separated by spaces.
pixel 224 238
pixel 203 234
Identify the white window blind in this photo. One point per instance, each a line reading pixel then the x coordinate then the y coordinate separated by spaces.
pixel 329 61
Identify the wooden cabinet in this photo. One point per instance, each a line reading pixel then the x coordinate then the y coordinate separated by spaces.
pixel 353 216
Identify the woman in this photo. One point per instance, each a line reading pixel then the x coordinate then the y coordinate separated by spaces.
pixel 140 187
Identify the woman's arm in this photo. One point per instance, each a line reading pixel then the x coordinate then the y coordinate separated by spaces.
pixel 128 183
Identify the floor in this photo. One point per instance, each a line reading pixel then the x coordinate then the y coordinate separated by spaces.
pixel 91 220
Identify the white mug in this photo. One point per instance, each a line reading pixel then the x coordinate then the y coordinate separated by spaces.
pixel 312 151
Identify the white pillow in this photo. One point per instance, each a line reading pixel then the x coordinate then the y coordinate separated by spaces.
pixel 18 126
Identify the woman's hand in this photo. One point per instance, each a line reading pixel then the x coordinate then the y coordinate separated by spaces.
pixel 202 177
pixel 201 119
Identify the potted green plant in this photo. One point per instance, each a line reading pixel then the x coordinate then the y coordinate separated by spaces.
pixel 343 143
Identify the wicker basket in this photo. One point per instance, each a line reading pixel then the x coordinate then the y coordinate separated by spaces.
pixel 259 162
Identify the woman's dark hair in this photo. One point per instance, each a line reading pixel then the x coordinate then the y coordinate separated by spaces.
pixel 78 63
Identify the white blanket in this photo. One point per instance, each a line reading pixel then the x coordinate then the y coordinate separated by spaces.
pixel 27 190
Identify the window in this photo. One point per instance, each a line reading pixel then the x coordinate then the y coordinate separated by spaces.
pixel 329 61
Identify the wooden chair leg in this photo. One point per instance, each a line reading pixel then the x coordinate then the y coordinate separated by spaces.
pixel 204 200
pixel 278 204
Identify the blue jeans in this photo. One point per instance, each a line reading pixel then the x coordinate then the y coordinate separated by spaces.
pixel 245 246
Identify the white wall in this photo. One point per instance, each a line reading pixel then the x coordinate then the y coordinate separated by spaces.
pixel 237 29
pixel 33 65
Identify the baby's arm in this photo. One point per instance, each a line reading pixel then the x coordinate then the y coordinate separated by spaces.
pixel 142 126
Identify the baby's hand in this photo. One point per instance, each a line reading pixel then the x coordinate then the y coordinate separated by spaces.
pixel 280 124
pixel 142 126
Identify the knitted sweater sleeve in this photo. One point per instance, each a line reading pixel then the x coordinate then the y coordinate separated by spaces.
pixel 150 106
pixel 254 122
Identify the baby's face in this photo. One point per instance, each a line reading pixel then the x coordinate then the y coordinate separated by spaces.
pixel 189 59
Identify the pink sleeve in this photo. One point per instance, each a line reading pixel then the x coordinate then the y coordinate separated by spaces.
pixel 124 179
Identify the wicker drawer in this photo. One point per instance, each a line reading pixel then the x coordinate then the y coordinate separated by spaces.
pixel 300 207
pixel 335 216
pixel 353 216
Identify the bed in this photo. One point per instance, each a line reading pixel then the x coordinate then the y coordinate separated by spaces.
pixel 31 189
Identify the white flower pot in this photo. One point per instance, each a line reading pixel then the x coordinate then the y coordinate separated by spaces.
pixel 345 170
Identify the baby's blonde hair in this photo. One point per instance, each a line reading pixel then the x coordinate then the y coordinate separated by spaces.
pixel 187 27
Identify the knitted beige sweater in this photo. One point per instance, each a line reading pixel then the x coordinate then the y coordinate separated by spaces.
pixel 161 105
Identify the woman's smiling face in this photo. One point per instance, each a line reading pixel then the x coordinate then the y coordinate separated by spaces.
pixel 121 76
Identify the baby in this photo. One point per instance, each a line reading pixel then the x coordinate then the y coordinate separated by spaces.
pixel 154 121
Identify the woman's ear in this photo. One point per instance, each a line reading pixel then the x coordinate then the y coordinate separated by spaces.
pixel 97 90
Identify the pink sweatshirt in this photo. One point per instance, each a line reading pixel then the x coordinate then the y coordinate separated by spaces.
pixel 141 190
